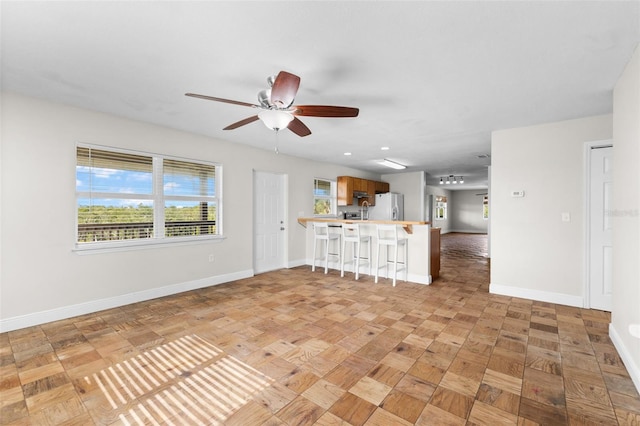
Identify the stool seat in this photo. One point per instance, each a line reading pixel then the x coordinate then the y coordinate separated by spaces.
pixel 351 235
pixel 321 233
pixel 389 236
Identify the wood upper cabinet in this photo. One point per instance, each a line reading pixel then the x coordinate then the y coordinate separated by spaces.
pixel 347 185
pixel 382 187
pixel 359 185
pixel 371 191
pixel 345 190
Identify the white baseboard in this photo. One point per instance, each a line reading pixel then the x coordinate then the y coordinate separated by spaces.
pixel 37 318
pixel 296 263
pixel 629 362
pixel 542 296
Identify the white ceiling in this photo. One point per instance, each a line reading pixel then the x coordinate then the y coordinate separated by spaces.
pixel 431 79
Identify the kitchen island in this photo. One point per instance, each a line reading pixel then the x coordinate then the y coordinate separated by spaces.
pixel 418 239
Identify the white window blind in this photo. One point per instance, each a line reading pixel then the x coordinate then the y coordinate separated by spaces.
pixel 125 196
pixel 190 204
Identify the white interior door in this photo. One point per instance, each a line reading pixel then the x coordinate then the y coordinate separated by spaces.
pixel 600 228
pixel 269 221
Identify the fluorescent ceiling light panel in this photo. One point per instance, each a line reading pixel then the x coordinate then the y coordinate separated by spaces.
pixel 392 164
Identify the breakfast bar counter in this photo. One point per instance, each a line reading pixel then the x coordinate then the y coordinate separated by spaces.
pixel 406 224
pixel 418 239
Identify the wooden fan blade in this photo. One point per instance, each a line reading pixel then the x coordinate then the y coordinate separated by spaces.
pixel 241 123
pixel 299 128
pixel 325 111
pixel 228 101
pixel 284 89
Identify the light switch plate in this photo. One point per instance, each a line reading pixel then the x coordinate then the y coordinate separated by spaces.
pixel 519 193
pixel 566 217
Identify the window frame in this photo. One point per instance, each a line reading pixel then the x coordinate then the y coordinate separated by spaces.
pixel 485 207
pixel 332 197
pixel 158 198
pixel 440 212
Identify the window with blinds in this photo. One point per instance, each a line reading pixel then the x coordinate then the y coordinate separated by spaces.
pixel 190 206
pixel 324 197
pixel 135 197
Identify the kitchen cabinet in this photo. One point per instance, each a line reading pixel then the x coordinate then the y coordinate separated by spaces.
pixel 371 191
pixel 347 185
pixel 359 185
pixel 434 252
pixel 382 187
pixel 345 190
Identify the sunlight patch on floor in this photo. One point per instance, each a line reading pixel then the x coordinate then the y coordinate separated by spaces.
pixel 185 380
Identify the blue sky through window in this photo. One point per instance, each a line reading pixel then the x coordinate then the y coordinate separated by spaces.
pixel 129 183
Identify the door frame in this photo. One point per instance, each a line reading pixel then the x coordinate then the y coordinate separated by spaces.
pixel 588 149
pixel 285 213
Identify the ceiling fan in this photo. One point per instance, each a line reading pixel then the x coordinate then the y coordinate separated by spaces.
pixel 276 106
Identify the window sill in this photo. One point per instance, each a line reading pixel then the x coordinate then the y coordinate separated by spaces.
pixel 129 245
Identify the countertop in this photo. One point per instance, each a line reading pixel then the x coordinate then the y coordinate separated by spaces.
pixel 406 224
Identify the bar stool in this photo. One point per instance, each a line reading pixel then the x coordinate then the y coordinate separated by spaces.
pixel 351 234
pixel 321 233
pixel 388 237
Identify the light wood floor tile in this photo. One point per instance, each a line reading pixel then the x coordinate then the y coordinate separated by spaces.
pixel 295 347
pixel 353 409
pixel 432 415
pixel 381 417
pixel 498 398
pixel 403 405
pixel 370 390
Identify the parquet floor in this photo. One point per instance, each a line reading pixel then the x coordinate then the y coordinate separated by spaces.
pixel 294 347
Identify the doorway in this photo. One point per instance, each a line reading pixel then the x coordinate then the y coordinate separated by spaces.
pixel 599 225
pixel 269 219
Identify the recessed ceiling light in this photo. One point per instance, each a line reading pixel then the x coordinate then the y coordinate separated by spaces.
pixel 385 148
pixel 347 153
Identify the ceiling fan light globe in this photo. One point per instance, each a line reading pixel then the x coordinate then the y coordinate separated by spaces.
pixel 275 119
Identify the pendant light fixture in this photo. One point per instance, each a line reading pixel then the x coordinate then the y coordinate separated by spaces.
pixel 451 179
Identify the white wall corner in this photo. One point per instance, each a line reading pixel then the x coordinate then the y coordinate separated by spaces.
pixel 539 295
pixel 297 262
pixel 629 362
pixel 37 318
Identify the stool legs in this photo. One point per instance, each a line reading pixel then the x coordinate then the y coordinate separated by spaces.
pixel 313 264
pixel 351 234
pixel 326 257
pixel 395 262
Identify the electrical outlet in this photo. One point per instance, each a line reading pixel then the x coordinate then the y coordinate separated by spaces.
pixel 212 258
pixel 566 217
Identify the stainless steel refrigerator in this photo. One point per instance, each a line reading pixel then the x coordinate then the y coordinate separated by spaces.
pixel 389 206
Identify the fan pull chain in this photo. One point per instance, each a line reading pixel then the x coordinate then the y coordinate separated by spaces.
pixel 277 151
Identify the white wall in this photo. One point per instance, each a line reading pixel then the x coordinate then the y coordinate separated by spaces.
pixel 42 279
pixel 412 185
pixel 467 214
pixel 534 254
pixel 626 227
pixel 444 225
